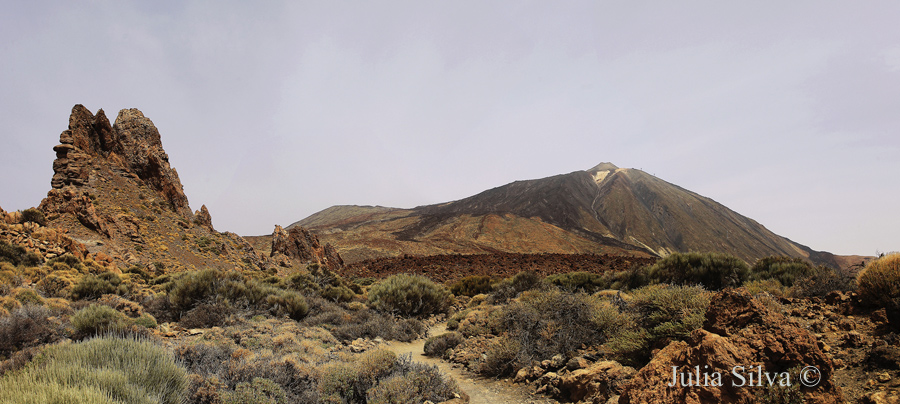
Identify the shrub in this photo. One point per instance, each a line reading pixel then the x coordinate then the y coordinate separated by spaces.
pixel 770 286
pixel 409 295
pixel 18 255
pixel 472 285
pixel 98 318
pixel 878 284
pixel 24 327
pixel 712 270
pixel 34 215
pixel 822 281
pixel 511 287
pixel 289 303
pixel 338 293
pixel 93 286
pixel 55 285
pixel 28 296
pixel 502 358
pixel 553 322
pixel 785 270
pixel 412 382
pixel 351 381
pixel 578 281
pixel 440 344
pixel 100 370
pixel 658 315
pixel 259 391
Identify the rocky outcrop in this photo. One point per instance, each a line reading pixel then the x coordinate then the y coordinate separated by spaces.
pixel 131 146
pixel 300 245
pixel 203 218
pixel 77 202
pixel 739 337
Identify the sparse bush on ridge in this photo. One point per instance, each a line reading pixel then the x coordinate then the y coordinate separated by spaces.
pixel 409 295
pixel 34 215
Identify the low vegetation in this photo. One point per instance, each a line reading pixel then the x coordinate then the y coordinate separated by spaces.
pixel 409 295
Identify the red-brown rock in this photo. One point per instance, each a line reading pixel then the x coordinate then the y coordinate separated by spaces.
pixel 738 331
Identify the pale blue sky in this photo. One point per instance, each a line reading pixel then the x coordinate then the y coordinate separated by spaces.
pixel 786 112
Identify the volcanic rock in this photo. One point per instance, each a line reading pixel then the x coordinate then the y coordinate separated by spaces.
pixel 132 145
pixel 301 245
pixel 738 331
pixel 203 218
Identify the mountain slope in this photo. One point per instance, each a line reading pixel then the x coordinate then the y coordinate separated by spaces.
pixel 600 210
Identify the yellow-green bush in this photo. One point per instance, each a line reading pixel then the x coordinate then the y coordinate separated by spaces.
pixel 714 271
pixel 786 270
pixel 472 285
pixel 409 295
pixel 98 318
pixel 657 315
pixel 259 391
pixel 878 284
pixel 101 370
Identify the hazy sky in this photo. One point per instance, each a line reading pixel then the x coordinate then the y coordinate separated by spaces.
pixel 786 112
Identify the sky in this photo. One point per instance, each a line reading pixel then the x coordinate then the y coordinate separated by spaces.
pixel 786 112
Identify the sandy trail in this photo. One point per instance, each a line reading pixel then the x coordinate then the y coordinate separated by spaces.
pixel 480 390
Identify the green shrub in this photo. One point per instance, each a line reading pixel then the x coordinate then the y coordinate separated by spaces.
pixel 29 296
pixel 338 293
pixel 98 318
pixel 785 270
pixel 578 282
pixel 288 302
pixel 472 285
pixel 770 286
pixel 511 287
pixel 93 286
pixel 440 344
pixel 712 270
pixel 878 284
pixel 544 324
pixel 34 215
pixel 100 370
pixel 658 314
pixel 18 255
pixel 409 295
pixel 351 381
pixel 259 391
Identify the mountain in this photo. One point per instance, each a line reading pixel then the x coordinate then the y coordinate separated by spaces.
pixel 605 209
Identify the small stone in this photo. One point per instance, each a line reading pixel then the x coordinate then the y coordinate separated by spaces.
pixel 883 377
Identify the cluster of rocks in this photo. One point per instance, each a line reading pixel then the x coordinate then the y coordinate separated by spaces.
pixel 298 244
pixel 47 242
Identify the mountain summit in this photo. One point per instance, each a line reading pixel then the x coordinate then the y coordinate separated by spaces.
pixel 602 209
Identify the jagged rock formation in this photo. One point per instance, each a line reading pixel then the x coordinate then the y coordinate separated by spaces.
pixel 131 146
pixel 203 218
pixel 114 191
pixel 301 245
pixel 738 331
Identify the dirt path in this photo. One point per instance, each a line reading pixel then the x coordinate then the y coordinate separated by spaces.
pixel 480 390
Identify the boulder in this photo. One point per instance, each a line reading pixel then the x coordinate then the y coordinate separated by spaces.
pixel 596 383
pixel 740 336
